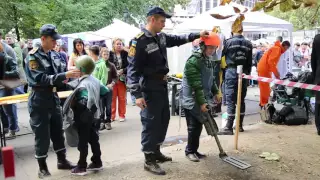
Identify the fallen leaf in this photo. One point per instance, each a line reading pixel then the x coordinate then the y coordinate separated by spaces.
pixel 273 157
pixel 264 154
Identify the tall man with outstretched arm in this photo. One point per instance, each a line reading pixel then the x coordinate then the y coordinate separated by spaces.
pixel 148 66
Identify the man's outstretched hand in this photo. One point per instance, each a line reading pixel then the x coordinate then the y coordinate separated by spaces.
pixel 204 33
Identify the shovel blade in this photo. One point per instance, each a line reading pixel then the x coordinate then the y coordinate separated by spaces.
pixel 236 162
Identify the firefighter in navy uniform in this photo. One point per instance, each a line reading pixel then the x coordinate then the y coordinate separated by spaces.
pixel 237 51
pixel 45 71
pixel 148 66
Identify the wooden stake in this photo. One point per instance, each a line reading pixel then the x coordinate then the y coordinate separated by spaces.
pixel 239 71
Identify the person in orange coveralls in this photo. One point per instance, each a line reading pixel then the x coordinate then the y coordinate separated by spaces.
pixel 267 65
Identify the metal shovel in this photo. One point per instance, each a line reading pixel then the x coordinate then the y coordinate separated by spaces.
pixel 212 130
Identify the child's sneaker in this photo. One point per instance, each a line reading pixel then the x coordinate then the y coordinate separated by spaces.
pixel 94 167
pixel 78 171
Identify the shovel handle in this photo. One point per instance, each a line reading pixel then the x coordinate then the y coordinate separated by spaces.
pixel 215 135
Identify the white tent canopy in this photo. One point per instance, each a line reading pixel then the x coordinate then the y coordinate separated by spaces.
pixel 85 36
pixel 118 29
pixel 254 22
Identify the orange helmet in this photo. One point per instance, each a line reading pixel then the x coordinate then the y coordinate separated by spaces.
pixel 212 40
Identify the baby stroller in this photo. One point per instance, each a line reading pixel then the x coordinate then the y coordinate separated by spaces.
pixel 305 95
pixel 294 96
pixel 283 94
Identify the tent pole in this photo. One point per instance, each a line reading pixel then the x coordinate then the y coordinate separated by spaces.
pixel 290 53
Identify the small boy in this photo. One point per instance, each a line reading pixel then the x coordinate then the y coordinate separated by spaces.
pixel 199 90
pixel 100 72
pixel 86 109
pixel 112 78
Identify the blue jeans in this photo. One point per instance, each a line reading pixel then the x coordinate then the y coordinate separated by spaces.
pixel 19 90
pixel 107 102
pixel 133 99
pixel 9 113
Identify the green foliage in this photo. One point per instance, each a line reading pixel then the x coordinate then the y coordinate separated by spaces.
pixel 285 5
pixel 71 16
pixel 17 13
pixel 301 18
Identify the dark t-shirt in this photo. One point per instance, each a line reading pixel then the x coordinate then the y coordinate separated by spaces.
pixel 64 57
pixel 259 56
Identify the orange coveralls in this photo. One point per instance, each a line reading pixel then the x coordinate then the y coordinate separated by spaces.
pixel 266 66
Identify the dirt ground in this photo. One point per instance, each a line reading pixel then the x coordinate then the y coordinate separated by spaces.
pixel 297 146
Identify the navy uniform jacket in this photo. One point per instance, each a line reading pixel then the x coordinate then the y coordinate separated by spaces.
pixel 232 46
pixel 45 70
pixel 148 63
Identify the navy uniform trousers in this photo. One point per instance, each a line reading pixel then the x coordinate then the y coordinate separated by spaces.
pixel 155 119
pixel 46 122
pixel 231 91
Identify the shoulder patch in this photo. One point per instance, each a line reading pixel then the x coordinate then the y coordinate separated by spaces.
pixel 34 50
pixel 33 64
pixel 132 51
pixel 134 43
pixel 139 35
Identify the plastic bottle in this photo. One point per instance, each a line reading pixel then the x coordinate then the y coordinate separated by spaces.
pixel 313 103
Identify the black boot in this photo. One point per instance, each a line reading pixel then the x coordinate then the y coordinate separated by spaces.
pixel 161 158
pixel 151 165
pixel 43 169
pixel 63 163
pixel 201 156
pixel 228 129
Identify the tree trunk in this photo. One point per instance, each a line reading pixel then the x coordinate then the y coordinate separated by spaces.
pixel 17 32
pixel 15 17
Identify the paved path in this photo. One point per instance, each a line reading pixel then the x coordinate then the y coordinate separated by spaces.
pixel 122 142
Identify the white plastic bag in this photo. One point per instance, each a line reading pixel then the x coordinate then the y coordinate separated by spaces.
pixel 224 120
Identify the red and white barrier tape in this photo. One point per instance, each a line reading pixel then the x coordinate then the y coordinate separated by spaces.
pixel 8 163
pixel 283 82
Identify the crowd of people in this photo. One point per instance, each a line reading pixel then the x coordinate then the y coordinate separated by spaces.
pixel 111 70
pixel 302 55
pixel 112 73
pixel 100 77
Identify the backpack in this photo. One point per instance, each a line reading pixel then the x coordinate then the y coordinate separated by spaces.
pixel 297 117
pixel 289 115
pixel 69 128
pixel 267 113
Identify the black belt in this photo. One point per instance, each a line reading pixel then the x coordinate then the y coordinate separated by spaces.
pixel 231 66
pixel 45 89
